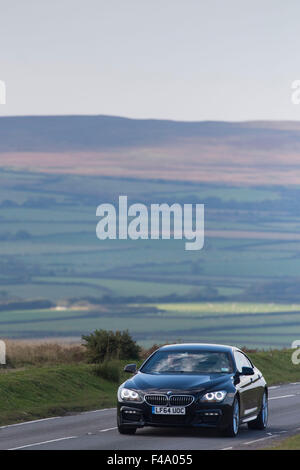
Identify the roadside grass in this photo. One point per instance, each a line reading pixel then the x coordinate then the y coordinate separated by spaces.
pixel 35 353
pixel 109 370
pixel 41 392
pixel 276 365
pixel 290 443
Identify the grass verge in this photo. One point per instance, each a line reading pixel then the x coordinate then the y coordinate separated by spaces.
pixel 40 392
pixel 290 443
pixel 276 366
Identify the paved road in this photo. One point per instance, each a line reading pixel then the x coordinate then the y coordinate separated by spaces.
pixel 97 430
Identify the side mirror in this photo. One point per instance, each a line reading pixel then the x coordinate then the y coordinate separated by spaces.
pixel 131 368
pixel 247 371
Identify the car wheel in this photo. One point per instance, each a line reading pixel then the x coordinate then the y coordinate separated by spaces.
pixel 233 428
pixel 262 419
pixel 126 430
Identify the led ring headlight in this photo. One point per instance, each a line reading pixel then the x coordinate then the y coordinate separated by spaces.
pixel 209 396
pixel 125 394
pixel 214 396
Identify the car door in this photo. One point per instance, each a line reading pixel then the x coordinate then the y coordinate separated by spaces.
pixel 257 387
pixel 244 385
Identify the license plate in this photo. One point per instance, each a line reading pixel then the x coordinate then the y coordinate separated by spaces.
pixel 168 410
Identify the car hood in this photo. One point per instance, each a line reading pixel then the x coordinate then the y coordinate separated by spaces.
pixel 180 382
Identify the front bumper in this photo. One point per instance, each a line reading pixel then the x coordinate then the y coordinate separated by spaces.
pixel 197 415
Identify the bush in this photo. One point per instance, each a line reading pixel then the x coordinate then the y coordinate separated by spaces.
pixel 108 370
pixel 105 345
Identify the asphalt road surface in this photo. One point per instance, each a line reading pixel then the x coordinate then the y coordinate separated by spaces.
pixel 97 430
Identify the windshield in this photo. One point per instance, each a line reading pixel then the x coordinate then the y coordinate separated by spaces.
pixel 188 362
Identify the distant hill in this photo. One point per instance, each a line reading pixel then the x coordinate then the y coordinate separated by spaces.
pixel 261 152
pixel 60 133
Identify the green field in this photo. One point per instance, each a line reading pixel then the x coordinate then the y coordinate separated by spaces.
pixel 242 324
pixel 49 250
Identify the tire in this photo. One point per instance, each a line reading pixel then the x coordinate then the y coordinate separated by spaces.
pixel 262 419
pixel 126 430
pixel 233 428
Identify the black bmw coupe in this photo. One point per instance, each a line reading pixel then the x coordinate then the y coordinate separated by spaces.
pixel 194 385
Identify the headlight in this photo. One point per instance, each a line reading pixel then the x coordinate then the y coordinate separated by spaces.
pixel 125 394
pixel 213 397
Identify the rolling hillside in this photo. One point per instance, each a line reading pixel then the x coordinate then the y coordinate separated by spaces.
pixel 248 153
pixel 55 171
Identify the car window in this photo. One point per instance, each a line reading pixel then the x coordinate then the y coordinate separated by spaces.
pixel 188 362
pixel 241 361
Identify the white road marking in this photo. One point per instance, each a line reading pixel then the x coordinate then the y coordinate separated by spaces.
pixel 108 429
pixel 257 440
pixel 29 422
pixel 273 387
pixel 97 411
pixel 283 396
pixel 227 448
pixel 44 442
pixel 53 417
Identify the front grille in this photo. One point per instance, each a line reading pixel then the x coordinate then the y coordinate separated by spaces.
pixel 156 400
pixel 181 400
pixel 173 400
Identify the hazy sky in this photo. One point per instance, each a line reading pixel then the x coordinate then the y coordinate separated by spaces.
pixel 172 59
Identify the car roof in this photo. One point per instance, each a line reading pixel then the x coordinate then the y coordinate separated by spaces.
pixel 199 347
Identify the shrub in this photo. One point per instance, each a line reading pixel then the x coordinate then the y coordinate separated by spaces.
pixel 104 345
